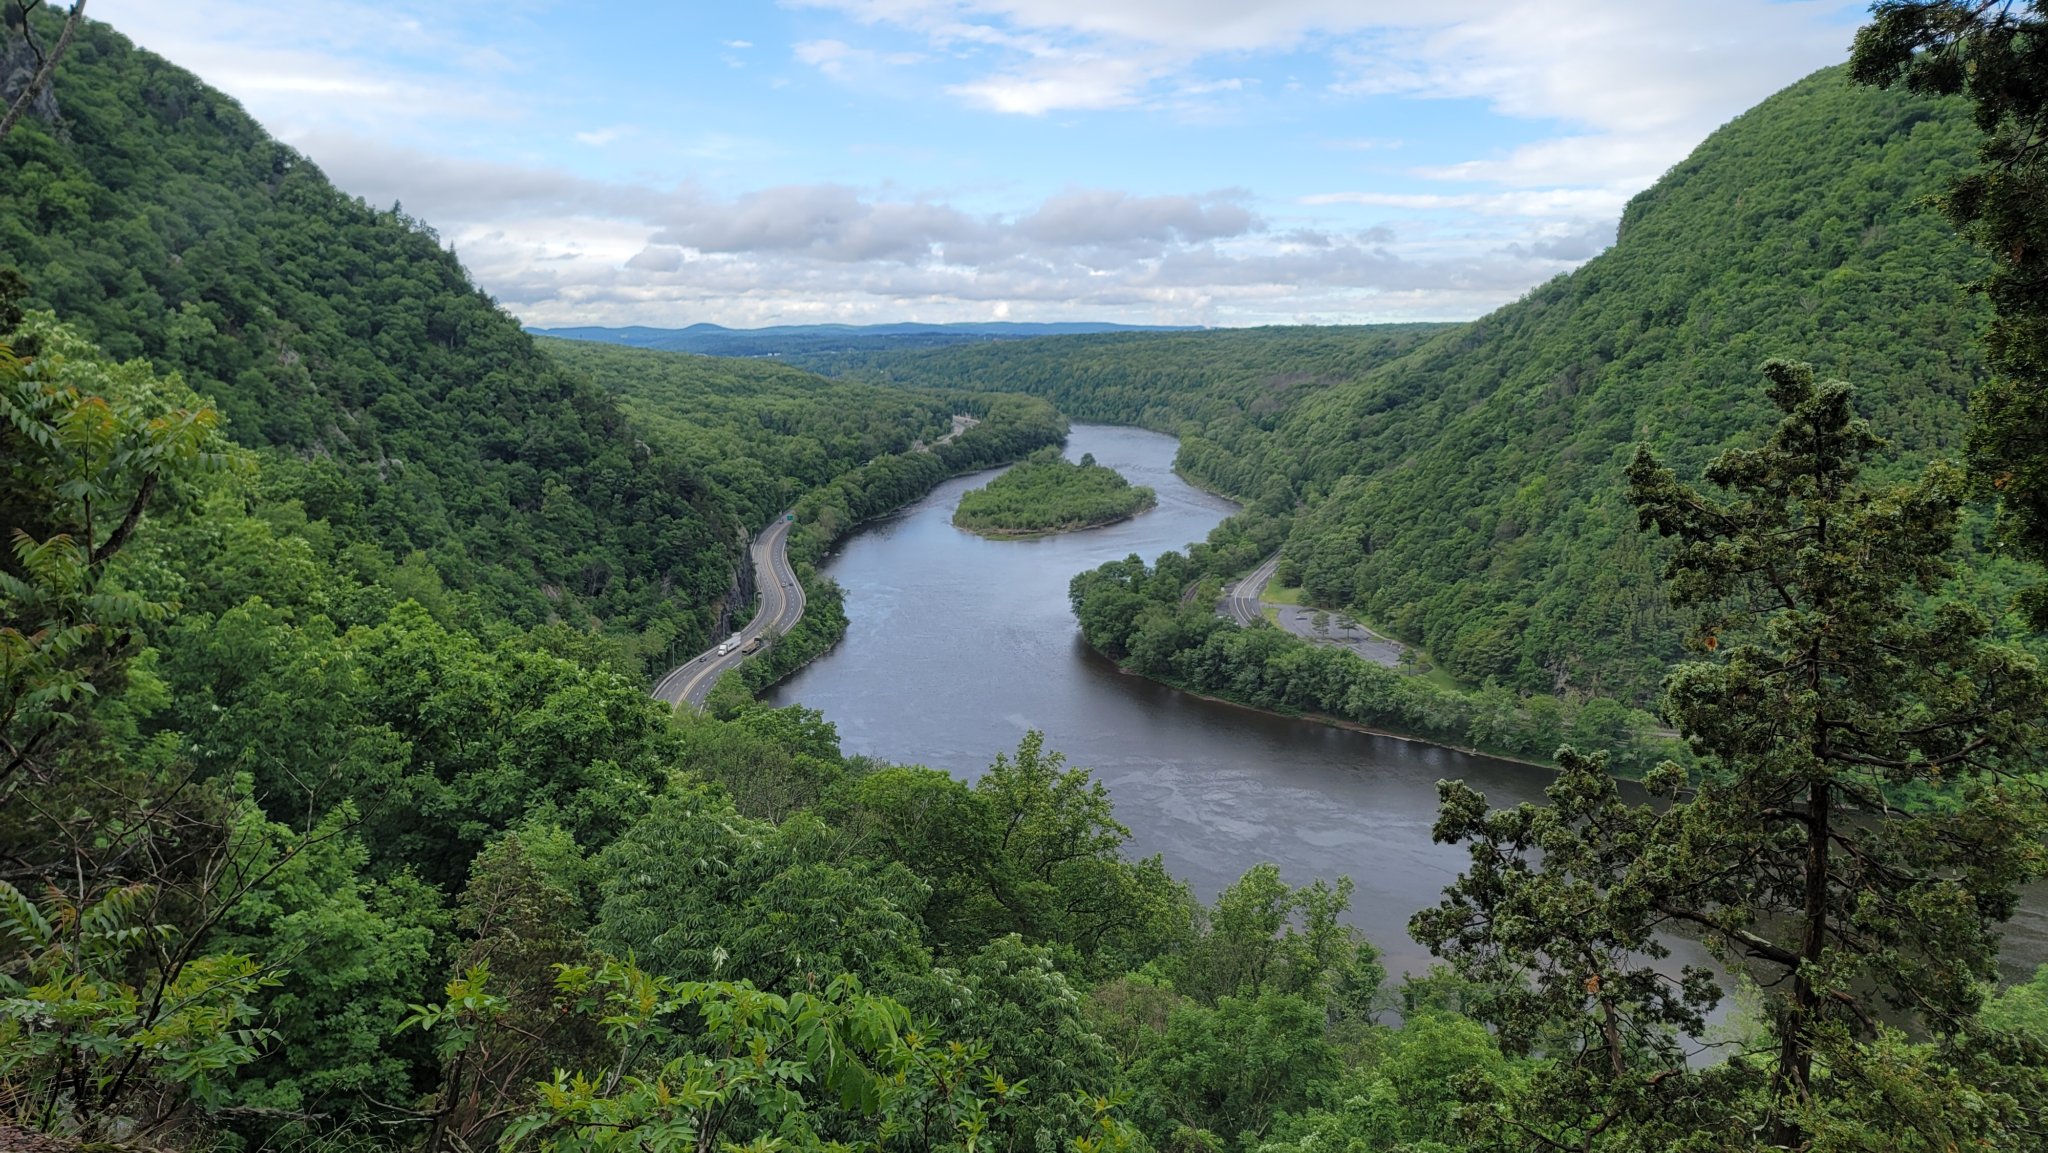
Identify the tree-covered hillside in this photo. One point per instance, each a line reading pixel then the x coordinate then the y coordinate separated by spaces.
pixel 1467 495
pixel 405 408
pixel 767 433
pixel 1470 495
pixel 809 341
pixel 395 401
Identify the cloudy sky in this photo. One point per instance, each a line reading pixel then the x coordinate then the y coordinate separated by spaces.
pixel 1145 161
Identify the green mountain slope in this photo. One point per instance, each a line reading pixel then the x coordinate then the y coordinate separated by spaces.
pixel 1470 495
pixel 1466 493
pixel 400 404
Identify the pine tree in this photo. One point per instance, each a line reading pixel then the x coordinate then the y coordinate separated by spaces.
pixel 1855 837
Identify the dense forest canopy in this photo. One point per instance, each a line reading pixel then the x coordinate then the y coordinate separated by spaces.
pixel 807 342
pixel 324 826
pixel 768 434
pixel 1169 382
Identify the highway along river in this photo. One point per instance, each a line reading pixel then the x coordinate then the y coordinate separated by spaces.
pixel 957 645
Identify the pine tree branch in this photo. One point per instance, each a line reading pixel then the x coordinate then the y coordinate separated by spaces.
pixel 1777 954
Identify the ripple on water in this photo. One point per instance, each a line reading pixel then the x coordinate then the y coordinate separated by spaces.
pixel 958 645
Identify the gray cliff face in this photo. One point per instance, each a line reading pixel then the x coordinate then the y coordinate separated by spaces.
pixel 736 607
pixel 18 64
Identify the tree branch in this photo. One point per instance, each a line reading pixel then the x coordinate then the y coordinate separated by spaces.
pixel 28 94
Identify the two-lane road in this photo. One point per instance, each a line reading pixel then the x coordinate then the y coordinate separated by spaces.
pixel 1241 601
pixel 782 605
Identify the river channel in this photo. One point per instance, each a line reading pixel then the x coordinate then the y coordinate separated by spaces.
pixel 958 645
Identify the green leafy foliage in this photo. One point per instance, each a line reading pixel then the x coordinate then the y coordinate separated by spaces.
pixel 84 448
pixel 80 1045
pixel 832 1068
pixel 697 888
pixel 1033 847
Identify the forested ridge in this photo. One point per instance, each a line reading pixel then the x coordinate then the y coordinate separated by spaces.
pixel 308 846
pixel 403 407
pixel 768 434
pixel 1462 489
pixel 395 402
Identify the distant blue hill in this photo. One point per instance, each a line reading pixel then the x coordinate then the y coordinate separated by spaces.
pixel 786 340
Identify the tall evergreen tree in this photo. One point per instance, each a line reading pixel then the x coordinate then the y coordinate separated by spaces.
pixel 1853 842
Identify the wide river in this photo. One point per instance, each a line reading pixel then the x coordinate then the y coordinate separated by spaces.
pixel 958 645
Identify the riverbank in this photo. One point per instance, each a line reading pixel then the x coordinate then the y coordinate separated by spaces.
pixel 1008 431
pixel 1139 615
pixel 1338 722
pixel 1058 530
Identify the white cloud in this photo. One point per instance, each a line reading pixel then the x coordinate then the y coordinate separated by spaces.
pixel 1189 27
pixel 1085 81
pixel 558 247
pixel 1110 218
pixel 824 55
pixel 1527 204
pixel 841 61
pixel 399 103
pixel 599 137
pixel 302 64
pixel 1640 81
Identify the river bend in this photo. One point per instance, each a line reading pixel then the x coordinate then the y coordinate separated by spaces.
pixel 957 645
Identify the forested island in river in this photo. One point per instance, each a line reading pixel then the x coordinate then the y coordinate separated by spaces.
pixel 1045 493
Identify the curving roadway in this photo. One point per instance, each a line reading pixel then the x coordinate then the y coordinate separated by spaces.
pixel 782 605
pixel 1241 599
pixel 1243 603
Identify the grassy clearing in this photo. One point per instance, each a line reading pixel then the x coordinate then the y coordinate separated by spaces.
pixel 1276 595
